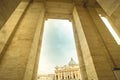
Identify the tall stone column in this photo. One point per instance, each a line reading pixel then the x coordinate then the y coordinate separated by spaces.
pixel 33 58
pixel 24 29
pixel 111 45
pixel 64 75
pixel 83 72
pixel 92 46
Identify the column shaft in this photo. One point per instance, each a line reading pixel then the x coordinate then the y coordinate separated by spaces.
pixel 19 58
pixel 92 46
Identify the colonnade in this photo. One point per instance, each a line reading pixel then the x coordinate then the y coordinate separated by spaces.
pixel 21 37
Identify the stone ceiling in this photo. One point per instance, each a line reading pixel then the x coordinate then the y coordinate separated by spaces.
pixel 88 2
pixel 63 8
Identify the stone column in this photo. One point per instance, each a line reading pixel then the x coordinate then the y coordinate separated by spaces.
pixel 111 45
pixel 83 72
pixel 72 74
pixel 31 70
pixel 92 46
pixel 58 75
pixel 11 54
pixel 36 45
pixel 19 59
pixel 64 75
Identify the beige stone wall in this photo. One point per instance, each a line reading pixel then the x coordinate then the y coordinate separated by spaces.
pixel 115 20
pixel 33 58
pixel 109 6
pixel 95 52
pixel 112 10
pixel 6 9
pixel 17 58
pixel 84 47
pixel 21 35
pixel 110 43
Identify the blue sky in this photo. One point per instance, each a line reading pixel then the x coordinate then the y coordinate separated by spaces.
pixel 58 45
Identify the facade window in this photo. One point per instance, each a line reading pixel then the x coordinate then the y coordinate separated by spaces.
pixel 74 76
pixel 62 77
pixel 56 76
pixel 68 77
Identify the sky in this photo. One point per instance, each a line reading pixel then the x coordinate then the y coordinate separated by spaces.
pixel 58 45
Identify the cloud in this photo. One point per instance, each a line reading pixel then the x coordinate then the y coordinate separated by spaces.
pixel 58 44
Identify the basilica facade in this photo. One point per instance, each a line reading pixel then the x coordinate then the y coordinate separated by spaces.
pixel 45 77
pixel 68 72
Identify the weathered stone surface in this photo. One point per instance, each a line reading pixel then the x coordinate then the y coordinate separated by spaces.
pixel 8 30
pixel 109 6
pixel 115 20
pixel 15 59
pixel 6 9
pixel 21 36
pixel 92 46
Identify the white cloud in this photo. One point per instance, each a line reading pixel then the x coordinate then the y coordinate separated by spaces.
pixel 58 45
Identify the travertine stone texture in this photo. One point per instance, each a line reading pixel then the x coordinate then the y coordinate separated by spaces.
pixel 93 48
pixel 115 19
pixel 109 6
pixel 66 1
pixel 21 36
pixel 14 64
pixel 83 72
pixel 32 63
pixel 112 9
pixel 9 28
pixel 6 9
pixel 59 10
pixel 111 45
pixel 84 47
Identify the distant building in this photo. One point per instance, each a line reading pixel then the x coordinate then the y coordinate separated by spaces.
pixel 68 72
pixel 46 77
